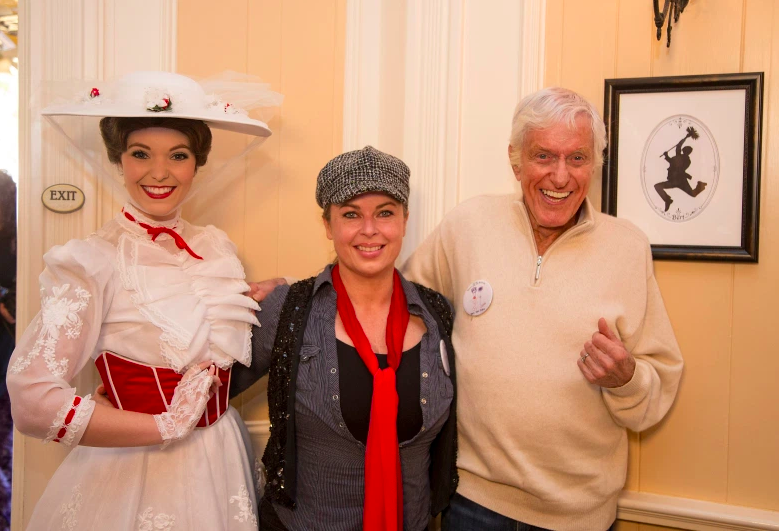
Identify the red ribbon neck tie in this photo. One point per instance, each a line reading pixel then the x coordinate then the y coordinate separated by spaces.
pixel 383 507
pixel 156 231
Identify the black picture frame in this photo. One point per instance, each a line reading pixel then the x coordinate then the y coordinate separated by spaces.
pixel 687 232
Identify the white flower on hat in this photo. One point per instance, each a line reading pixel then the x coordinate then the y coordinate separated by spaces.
pixel 157 100
pixel 212 101
pixel 233 109
pixel 215 103
pixel 93 97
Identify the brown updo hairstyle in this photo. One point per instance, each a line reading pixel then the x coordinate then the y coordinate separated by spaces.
pixel 115 132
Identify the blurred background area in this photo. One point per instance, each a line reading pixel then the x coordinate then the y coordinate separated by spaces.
pixel 9 175
pixel 9 88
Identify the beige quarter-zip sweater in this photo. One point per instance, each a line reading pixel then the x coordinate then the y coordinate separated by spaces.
pixel 537 442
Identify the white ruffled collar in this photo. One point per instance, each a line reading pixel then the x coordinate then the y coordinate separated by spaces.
pixel 198 305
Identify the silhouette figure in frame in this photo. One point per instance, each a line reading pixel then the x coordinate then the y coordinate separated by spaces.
pixel 677 171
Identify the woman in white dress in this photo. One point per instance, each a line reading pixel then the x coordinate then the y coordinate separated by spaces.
pixel 147 298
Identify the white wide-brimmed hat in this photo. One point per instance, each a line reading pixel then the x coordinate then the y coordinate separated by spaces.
pixel 223 101
pixel 169 95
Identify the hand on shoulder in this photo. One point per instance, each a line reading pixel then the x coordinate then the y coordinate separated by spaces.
pixel 259 290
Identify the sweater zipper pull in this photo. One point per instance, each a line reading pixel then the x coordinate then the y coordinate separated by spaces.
pixel 538 267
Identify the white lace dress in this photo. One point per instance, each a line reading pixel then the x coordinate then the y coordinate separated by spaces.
pixel 154 303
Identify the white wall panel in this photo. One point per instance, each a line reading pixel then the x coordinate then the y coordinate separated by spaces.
pixel 492 50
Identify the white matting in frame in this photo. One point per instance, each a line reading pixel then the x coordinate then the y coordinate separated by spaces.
pixel 650 125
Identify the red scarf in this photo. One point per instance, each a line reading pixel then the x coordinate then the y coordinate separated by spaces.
pixel 383 508
pixel 156 231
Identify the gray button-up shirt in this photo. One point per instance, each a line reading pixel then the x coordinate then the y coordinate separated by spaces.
pixel 330 461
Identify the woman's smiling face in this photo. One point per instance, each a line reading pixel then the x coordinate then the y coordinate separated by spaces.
pixel 158 167
pixel 367 233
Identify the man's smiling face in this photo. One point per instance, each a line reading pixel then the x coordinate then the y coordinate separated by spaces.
pixel 556 170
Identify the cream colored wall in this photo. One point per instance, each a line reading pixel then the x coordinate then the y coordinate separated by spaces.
pixel 720 440
pixel 270 213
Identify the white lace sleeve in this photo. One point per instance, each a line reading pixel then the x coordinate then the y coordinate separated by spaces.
pixel 58 343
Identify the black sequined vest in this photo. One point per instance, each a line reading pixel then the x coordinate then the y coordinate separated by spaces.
pixel 280 457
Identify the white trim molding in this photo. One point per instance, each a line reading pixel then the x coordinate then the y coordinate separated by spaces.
pixel 260 428
pixel 683 513
pixel 259 432
pixel 431 131
pixel 362 74
pixel 532 57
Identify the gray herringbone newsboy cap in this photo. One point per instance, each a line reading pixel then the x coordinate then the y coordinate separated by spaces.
pixel 361 171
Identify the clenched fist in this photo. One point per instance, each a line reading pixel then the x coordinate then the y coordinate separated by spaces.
pixel 605 361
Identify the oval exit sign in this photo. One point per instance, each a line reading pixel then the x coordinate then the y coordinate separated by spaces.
pixel 62 198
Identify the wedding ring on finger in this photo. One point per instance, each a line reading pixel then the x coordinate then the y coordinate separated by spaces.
pixel 584 358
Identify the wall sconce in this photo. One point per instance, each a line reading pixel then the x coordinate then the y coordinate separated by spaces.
pixel 676 7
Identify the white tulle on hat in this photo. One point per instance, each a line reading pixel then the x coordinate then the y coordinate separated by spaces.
pixel 236 103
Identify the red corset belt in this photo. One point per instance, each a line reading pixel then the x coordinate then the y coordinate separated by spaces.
pixel 134 386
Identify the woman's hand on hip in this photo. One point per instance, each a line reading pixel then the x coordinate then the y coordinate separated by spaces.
pixel 101 396
pixel 189 402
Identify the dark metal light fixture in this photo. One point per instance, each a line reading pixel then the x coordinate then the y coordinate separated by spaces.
pixel 676 7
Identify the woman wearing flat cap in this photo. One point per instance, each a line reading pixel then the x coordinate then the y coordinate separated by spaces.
pixel 361 387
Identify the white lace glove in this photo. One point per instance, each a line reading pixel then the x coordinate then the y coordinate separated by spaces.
pixel 189 402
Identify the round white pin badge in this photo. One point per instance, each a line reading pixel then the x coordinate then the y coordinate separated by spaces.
pixel 477 298
pixel 445 358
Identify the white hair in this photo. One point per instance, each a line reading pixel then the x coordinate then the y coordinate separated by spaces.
pixel 551 106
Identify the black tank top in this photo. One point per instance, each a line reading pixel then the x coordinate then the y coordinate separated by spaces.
pixel 356 384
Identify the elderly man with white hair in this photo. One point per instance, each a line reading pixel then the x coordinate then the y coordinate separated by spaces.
pixel 562 338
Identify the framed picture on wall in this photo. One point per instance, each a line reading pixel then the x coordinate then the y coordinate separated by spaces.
pixel 683 163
